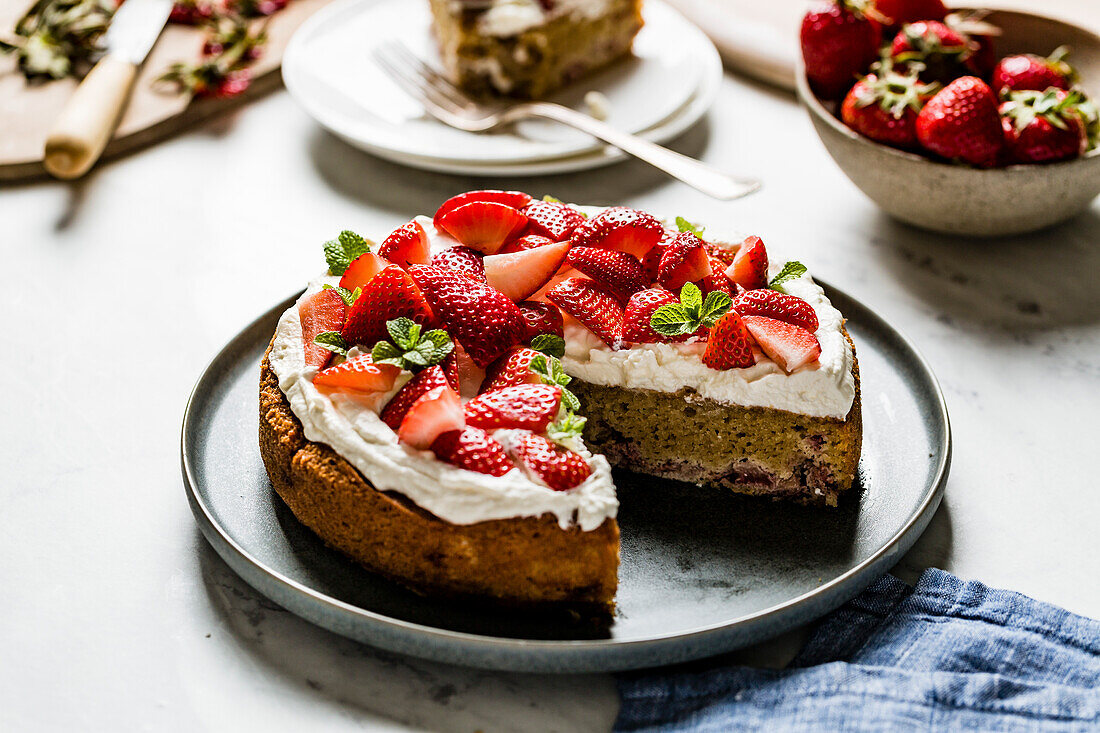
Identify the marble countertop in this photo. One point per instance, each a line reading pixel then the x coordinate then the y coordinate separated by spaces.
pixel 118 290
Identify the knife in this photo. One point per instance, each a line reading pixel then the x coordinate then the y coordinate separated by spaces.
pixel 89 118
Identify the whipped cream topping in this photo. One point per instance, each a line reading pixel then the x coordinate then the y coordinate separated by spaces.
pixel 503 18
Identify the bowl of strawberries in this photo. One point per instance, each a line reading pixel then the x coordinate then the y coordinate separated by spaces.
pixel 963 121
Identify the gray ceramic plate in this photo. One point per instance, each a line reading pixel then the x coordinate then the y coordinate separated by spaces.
pixel 702 572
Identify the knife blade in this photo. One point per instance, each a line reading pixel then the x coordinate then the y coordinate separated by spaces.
pixel 135 27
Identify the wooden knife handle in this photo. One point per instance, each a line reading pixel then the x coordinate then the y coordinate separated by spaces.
pixel 88 119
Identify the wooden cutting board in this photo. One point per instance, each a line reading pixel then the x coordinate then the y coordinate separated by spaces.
pixel 27 110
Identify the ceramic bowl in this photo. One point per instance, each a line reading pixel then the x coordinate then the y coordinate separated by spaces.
pixel 956 199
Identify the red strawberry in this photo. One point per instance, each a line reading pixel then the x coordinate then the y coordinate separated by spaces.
pixel 839 42
pixel 592 305
pixel 788 346
pixel 358 375
pixel 944 52
pixel 407 245
pixel 639 311
pixel 552 220
pixel 627 230
pixel 560 469
pixel 323 311
pixel 433 413
pixel 780 306
pixel 519 274
pixel 885 108
pixel 526 406
pixel 464 376
pixel 541 318
pixel 721 252
pixel 472 449
pixel 750 265
pixel 1028 71
pixel 961 122
pixel 462 259
pixel 529 241
pixel 717 280
pixel 899 12
pixel 389 294
pixel 684 260
pixel 427 380
pixel 1043 127
pixel 729 345
pixel 481 317
pixel 651 264
pixel 483 225
pixel 512 368
pixel 515 199
pixel 619 272
pixel 361 270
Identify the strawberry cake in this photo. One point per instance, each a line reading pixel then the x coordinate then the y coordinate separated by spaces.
pixel 445 407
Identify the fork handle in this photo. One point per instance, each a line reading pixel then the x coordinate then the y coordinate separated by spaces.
pixel 692 172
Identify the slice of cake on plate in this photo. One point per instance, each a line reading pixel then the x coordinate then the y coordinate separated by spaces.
pixel 529 48
pixel 444 407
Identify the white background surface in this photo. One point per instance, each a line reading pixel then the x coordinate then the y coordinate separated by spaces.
pixel 117 291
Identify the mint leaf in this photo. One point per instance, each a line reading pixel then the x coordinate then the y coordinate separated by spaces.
pixel 386 353
pixel 552 372
pixel 551 199
pixel 791 271
pixel 686 226
pixel 404 332
pixel 410 349
pixel 333 341
pixel 691 297
pixel 691 313
pixel 672 319
pixel 550 344
pixel 715 306
pixel 348 296
pixel 567 426
pixel 342 251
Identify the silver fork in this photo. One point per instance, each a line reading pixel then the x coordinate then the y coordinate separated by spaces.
pixel 443 101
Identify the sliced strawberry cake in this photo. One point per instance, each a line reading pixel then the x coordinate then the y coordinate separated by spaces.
pixel 445 407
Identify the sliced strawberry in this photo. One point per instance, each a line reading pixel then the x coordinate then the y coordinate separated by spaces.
pixel 481 317
pixel 639 312
pixel 357 375
pixel 515 199
pixel 780 306
pixel 524 406
pixel 427 380
pixel 722 252
pixel 619 272
pixel 529 241
pixel 361 270
pixel 432 414
pixel 558 468
pixel 323 311
pixel 729 345
pixel 463 259
pixel 407 245
pixel 551 219
pixel 652 262
pixel 717 279
pixel 390 294
pixel 627 230
pixel 750 265
pixel 472 449
pixel 464 376
pixel 788 346
pixel 592 305
pixel 684 260
pixel 519 274
pixel 512 368
pixel 483 225
pixel 541 318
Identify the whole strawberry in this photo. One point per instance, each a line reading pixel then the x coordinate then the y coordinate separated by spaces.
pixel 839 42
pixel 961 123
pixel 899 12
pixel 885 108
pixel 942 52
pixel 1043 127
pixel 1028 71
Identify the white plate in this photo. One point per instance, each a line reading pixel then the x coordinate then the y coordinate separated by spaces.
pixel 328 69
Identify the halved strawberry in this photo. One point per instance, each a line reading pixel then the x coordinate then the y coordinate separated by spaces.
pixel 472 449
pixel 557 467
pixel 481 317
pixel 788 346
pixel 512 368
pixel 723 252
pixel 592 305
pixel 525 406
pixel 515 199
pixel 407 245
pixel 389 294
pixel 464 376
pixel 528 241
pixel 750 265
pixel 619 272
pixel 551 219
pixel 427 380
pixel 639 312
pixel 361 270
pixel 627 230
pixel 323 311
pixel 519 274
pixel 729 345
pixel 462 259
pixel 684 260
pixel 483 225
pixel 717 279
pixel 541 318
pixel 433 413
pixel 780 306
pixel 357 375
pixel 652 262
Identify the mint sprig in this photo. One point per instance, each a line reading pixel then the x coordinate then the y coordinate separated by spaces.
pixel 791 271
pixel 691 313
pixel 348 296
pixel 410 348
pixel 566 427
pixel 333 341
pixel 686 226
pixel 550 344
pixel 342 251
pixel 550 370
pixel 551 199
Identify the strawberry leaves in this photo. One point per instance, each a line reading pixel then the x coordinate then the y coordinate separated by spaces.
pixel 550 344
pixel 333 341
pixel 550 371
pixel 410 348
pixel 348 296
pixel 791 271
pixel 691 313
pixel 566 427
pixel 342 251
